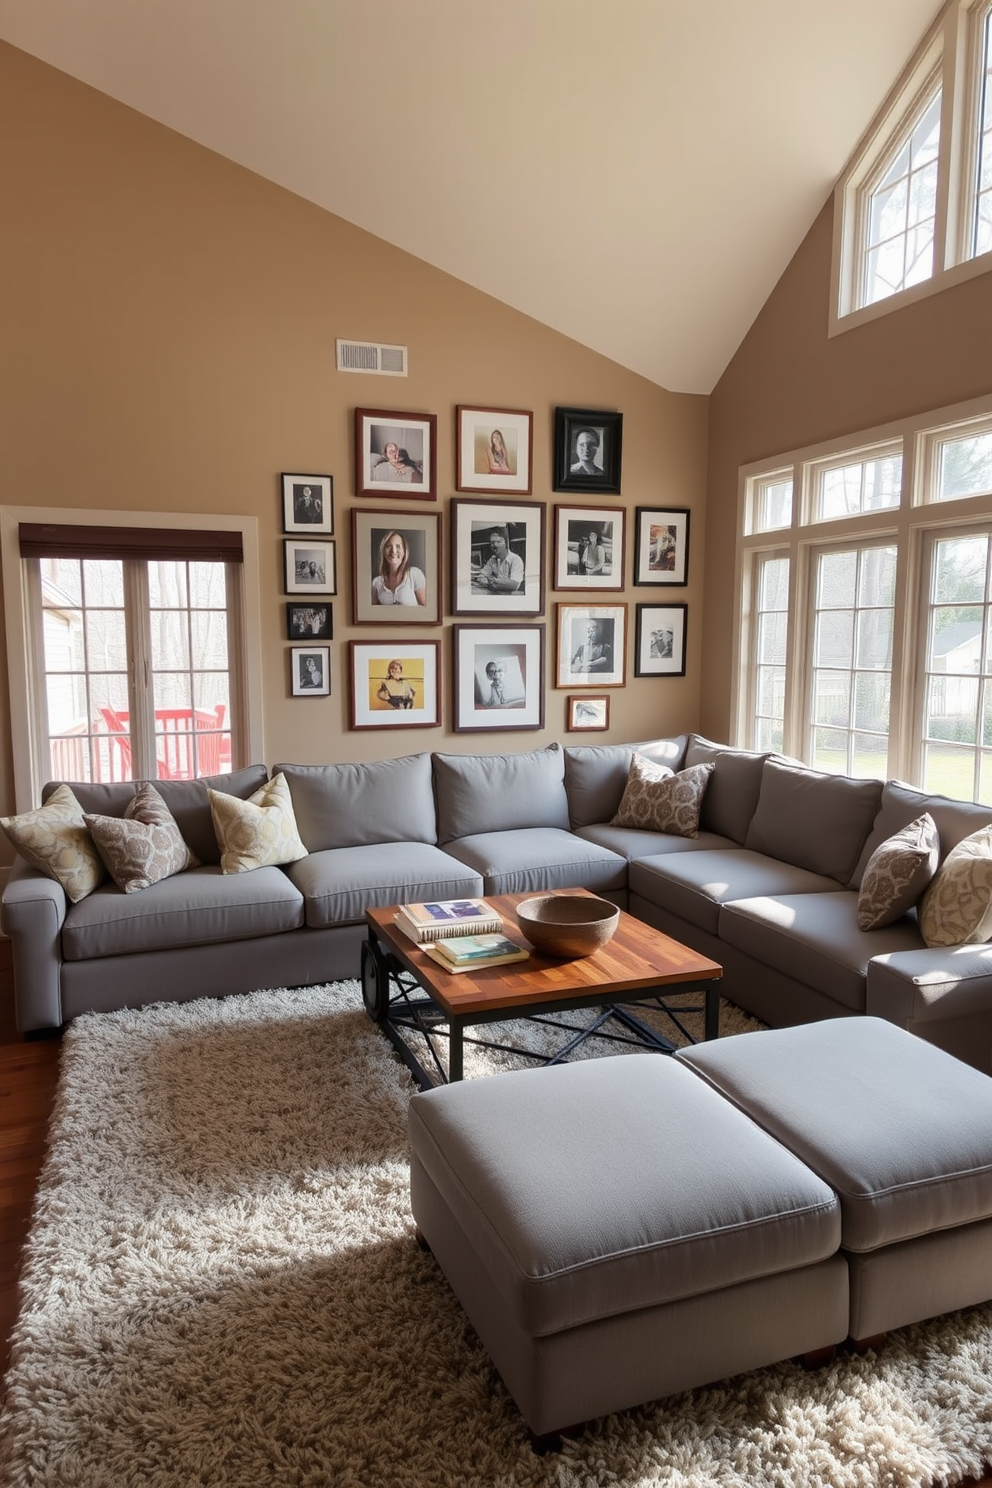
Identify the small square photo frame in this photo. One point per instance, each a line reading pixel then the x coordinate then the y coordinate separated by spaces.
pixel 499 677
pixel 589 547
pixel 395 453
pixel 587 450
pixel 493 449
pixel 497 557
pixel 309 622
pixel 587 714
pixel 395 684
pixel 661 545
pixel 391 590
pixel 310 566
pixel 591 645
pixel 310 671
pixel 660 640
pixel 307 503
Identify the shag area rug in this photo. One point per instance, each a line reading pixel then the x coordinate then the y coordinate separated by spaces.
pixel 222 1288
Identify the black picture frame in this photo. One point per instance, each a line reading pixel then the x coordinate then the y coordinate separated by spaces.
pixel 308 503
pixel 309 566
pixel 602 474
pixel 310 671
pixel 308 622
pixel 661 545
pixel 660 636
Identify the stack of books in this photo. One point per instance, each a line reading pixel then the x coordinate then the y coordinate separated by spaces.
pixel 474 952
pixel 425 923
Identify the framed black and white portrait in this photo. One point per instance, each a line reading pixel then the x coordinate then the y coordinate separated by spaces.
pixel 308 622
pixel 660 640
pixel 587 450
pixel 661 545
pixel 588 547
pixel 499 677
pixel 591 645
pixel 396 567
pixel 395 453
pixel 307 503
pixel 310 671
pixel 587 714
pixel 493 449
pixel 497 557
pixel 310 566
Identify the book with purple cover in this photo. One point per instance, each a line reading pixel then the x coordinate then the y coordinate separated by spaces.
pixel 440 918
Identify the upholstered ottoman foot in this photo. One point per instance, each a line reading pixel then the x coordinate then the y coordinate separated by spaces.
pixel 617 1232
pixel 902 1131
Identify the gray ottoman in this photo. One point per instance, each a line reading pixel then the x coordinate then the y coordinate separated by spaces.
pixel 902 1132
pixel 616 1231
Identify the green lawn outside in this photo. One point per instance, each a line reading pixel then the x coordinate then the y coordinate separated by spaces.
pixel 948 775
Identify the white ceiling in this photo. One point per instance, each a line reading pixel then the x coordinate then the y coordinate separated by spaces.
pixel 635 174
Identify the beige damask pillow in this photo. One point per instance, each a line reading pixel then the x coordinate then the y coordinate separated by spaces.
pixel 957 907
pixel 55 839
pixel 258 832
pixel 897 873
pixel 144 845
pixel 659 801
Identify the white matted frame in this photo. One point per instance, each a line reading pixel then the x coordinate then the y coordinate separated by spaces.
pixel 373 601
pixel 310 671
pixel 493 449
pixel 592 644
pixel 308 503
pixel 395 684
pixel 395 453
pixel 660 641
pixel 310 566
pixel 499 677
pixel 589 547
pixel 587 713
pixel 661 545
pixel 497 557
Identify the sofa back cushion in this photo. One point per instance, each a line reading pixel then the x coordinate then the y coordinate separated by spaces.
pixel 813 820
pixel 356 805
pixel 901 804
pixel 596 775
pixel 186 799
pixel 732 794
pixel 499 792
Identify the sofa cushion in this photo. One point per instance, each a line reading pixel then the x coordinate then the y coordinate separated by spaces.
pixel 596 775
pixel 695 885
pixel 55 839
pixel 814 820
pixel 257 833
pixel 901 804
pixel 353 805
pixel 732 794
pixel 897 873
pixel 634 842
pixel 660 801
pixel 533 859
pixel 340 883
pixel 957 907
pixel 499 792
pixel 194 908
pixel 144 845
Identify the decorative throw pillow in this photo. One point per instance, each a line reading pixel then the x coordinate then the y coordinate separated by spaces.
pixel 897 873
pixel 957 907
pixel 142 846
pixel 257 832
pixel 55 840
pixel 659 801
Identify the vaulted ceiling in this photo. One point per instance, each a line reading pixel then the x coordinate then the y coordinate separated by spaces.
pixel 635 174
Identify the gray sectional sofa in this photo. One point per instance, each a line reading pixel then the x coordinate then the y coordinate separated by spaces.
pixel 768 887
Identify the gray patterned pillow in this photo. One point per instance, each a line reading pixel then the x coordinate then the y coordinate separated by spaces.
pixel 659 801
pixel 142 846
pixel 897 873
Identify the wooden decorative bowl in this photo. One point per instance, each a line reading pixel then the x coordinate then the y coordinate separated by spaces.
pixel 567 924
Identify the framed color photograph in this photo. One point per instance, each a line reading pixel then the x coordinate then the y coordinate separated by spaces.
pixel 588 547
pixel 310 671
pixel 395 684
pixel 307 503
pixel 396 567
pixel 499 677
pixel 661 545
pixel 587 713
pixel 310 567
pixel 308 622
pixel 497 557
pixel 587 450
pixel 493 449
pixel 660 643
pixel 591 645
pixel 395 453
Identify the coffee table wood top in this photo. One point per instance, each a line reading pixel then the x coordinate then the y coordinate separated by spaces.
pixel 638 957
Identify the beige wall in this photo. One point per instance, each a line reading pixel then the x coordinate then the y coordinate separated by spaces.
pixel 168 336
pixel 790 385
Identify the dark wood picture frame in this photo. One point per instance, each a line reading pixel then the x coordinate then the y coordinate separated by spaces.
pixel 587 714
pixel 578 664
pixel 498 673
pixel 494 450
pixel 521 524
pixel 395 454
pixel 578 466
pixel 420 531
pixel 574 526
pixel 382 697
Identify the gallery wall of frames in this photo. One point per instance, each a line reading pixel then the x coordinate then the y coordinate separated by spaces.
pixel 484 557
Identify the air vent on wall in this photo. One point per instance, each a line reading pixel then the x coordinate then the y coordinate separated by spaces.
pixel 371 356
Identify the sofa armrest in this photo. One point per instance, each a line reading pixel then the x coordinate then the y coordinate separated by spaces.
pixel 930 986
pixel 32 913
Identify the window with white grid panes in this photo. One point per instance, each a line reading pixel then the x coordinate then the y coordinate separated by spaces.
pixel 957 713
pixel 771 628
pixel 846 488
pixel 981 241
pixel 771 503
pixel 900 210
pixel 963 465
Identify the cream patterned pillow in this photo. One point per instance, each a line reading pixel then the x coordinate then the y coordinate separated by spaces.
pixel 957 907
pixel 897 873
pixel 55 840
pixel 144 845
pixel 659 801
pixel 258 832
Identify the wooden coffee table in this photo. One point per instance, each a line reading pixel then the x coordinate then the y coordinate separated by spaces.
pixel 406 991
